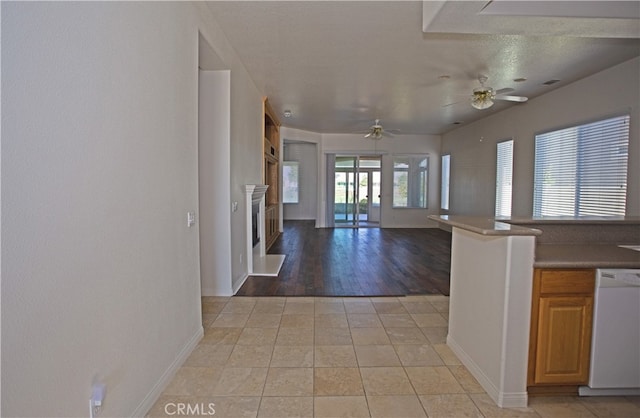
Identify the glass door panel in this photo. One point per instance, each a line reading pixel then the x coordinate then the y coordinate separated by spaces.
pixel 357 191
pixel 374 197
pixel 345 191
pixel 363 196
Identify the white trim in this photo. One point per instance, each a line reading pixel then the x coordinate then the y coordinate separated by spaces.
pixel 147 403
pixel 237 284
pixel 212 291
pixel 502 399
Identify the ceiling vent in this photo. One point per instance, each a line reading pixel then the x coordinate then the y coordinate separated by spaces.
pixel 550 82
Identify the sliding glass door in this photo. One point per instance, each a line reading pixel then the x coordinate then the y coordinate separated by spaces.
pixel 357 191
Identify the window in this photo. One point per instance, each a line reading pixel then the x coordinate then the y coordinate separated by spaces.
pixel 290 176
pixel 444 187
pixel 582 170
pixel 504 178
pixel 410 181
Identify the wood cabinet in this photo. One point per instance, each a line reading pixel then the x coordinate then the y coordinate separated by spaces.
pixel 271 174
pixel 561 323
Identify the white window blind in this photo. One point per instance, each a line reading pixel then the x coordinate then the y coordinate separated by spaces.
pixel 504 178
pixel 582 170
pixel 444 186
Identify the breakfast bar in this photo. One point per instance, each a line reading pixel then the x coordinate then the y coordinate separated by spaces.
pixel 490 303
pixel 492 287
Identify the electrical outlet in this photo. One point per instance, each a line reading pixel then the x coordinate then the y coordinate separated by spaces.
pixel 98 392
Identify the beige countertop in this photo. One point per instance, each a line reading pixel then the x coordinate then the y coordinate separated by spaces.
pixel 484 226
pixel 575 220
pixel 555 255
pixel 585 256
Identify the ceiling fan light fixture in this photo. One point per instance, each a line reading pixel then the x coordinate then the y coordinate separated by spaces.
pixel 482 98
pixel 376 133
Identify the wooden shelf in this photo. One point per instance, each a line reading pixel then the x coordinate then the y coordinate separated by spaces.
pixel 271 174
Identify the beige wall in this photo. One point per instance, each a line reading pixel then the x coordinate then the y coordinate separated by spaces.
pixel 473 147
pixel 100 274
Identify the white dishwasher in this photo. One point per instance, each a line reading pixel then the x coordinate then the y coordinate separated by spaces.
pixel 615 344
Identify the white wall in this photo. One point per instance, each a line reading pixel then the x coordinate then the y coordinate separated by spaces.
pixel 246 141
pixel 246 164
pixel 214 159
pixel 610 92
pixel 306 154
pixel 100 274
pixel 387 147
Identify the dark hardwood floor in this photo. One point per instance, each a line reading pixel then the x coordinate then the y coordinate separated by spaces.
pixel 356 262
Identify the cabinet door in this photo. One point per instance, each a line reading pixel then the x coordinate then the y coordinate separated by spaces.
pixel 564 339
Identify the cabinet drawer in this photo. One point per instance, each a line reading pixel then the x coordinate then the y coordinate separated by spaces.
pixel 567 281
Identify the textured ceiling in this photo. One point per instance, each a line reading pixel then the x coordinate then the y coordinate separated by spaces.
pixel 338 65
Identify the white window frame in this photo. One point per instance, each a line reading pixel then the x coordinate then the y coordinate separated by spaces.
pixel 445 179
pixel 417 188
pixel 292 190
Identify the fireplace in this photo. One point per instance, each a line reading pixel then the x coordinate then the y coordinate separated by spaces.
pixel 258 262
pixel 255 230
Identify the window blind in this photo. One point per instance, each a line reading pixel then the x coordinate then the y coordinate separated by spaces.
pixel 444 187
pixel 504 178
pixel 582 170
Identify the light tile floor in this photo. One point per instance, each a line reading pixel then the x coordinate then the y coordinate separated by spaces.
pixel 341 357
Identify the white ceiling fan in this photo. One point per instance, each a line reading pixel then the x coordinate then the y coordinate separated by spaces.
pixel 483 97
pixel 376 131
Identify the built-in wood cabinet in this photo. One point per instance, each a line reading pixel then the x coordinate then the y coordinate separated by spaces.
pixel 561 324
pixel 271 173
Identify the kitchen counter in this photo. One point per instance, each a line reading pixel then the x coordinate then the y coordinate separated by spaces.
pixel 564 242
pixel 490 300
pixel 585 256
pixel 484 226
pixel 492 266
pixel 584 220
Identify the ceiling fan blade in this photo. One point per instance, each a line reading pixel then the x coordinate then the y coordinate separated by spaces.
pixel 451 104
pixel 504 91
pixel 368 135
pixel 520 99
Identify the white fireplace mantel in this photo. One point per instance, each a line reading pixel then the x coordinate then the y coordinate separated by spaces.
pixel 258 262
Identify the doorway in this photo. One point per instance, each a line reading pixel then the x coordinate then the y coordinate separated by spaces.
pixel 214 156
pixel 356 200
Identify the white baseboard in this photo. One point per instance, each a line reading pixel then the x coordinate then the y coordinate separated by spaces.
pixel 502 399
pixel 587 391
pixel 155 392
pixel 208 291
pixel 238 283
